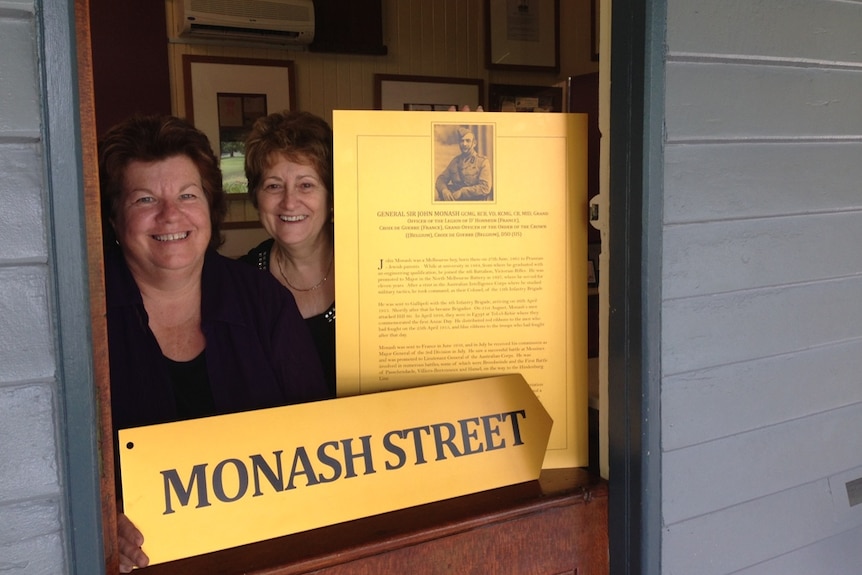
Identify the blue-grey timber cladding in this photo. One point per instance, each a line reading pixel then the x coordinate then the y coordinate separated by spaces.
pixel 31 503
pixel 762 287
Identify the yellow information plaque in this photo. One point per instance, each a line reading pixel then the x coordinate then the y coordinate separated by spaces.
pixel 462 249
pixel 202 485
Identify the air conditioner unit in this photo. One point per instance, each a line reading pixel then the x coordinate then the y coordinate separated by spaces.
pixel 288 22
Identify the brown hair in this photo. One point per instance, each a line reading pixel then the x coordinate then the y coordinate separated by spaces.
pixel 301 137
pixel 151 138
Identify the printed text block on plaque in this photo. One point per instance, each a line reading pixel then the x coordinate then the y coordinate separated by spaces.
pixel 482 280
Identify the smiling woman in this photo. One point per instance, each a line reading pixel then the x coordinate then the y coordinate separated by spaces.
pixel 163 224
pixel 289 167
pixel 190 332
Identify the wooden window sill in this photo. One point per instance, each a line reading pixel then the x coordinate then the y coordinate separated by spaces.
pixel 555 525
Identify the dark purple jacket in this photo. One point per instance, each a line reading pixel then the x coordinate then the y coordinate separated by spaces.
pixel 258 349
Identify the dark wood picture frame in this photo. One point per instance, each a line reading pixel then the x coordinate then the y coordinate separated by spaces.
pixel 205 78
pixel 517 98
pixel 406 92
pixel 522 37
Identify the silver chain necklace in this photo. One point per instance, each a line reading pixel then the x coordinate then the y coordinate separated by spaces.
pixel 312 288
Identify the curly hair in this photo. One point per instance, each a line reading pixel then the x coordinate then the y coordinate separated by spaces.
pixel 151 138
pixel 301 137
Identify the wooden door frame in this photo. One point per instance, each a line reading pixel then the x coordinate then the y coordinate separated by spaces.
pixel 634 325
pixel 74 232
pixel 68 147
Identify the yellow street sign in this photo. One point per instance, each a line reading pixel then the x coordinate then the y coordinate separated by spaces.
pixel 202 485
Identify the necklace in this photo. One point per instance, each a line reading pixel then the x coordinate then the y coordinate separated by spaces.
pixel 312 288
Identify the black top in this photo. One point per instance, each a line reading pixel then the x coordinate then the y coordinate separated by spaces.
pixel 259 352
pixel 191 385
pixel 321 326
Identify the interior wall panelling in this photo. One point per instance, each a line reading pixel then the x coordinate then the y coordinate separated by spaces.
pixel 132 41
pixel 422 37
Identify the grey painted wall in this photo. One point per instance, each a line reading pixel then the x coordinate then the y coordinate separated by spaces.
pixel 31 502
pixel 762 287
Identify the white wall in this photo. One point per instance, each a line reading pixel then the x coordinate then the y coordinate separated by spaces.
pixel 762 287
pixel 31 536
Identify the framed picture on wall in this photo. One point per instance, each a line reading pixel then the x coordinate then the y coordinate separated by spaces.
pixel 223 98
pixel 427 93
pixel 516 98
pixel 522 35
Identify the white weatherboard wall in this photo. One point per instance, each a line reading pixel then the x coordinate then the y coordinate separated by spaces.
pixel 762 287
pixel 31 529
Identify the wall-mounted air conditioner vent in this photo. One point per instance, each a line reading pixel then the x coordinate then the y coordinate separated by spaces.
pixel 272 21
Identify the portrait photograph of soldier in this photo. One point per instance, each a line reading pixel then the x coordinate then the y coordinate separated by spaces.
pixel 462 161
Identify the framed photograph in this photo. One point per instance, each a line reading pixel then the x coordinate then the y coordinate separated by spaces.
pixel 522 35
pixel 223 98
pixel 428 93
pixel 515 98
pixel 463 163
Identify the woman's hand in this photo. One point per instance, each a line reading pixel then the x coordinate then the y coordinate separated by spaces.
pixel 130 540
pixel 465 108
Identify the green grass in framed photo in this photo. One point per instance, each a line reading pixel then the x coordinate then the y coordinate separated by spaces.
pixel 223 98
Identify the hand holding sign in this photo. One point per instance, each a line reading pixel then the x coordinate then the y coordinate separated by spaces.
pixel 129 543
